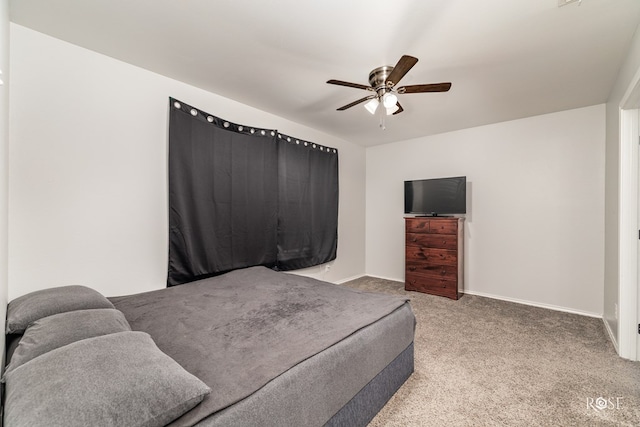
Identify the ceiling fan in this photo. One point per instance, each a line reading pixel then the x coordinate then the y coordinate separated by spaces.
pixel 383 82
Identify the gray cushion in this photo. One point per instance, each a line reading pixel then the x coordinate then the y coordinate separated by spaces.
pixel 55 331
pixel 36 305
pixel 120 379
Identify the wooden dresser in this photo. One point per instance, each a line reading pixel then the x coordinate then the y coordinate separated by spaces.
pixel 434 256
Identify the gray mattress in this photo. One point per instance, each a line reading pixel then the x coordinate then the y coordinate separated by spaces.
pixel 276 349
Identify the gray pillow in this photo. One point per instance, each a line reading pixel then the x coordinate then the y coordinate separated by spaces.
pixel 36 305
pixel 55 331
pixel 120 379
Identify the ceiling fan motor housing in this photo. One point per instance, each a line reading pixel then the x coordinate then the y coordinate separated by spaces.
pixel 378 77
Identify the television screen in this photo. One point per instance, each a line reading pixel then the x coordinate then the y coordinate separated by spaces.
pixel 438 196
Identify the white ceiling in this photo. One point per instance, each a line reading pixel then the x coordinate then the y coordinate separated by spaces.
pixel 506 59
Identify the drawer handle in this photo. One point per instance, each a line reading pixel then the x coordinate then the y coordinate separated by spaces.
pixel 444 242
pixel 443 272
pixel 415 239
pixel 412 269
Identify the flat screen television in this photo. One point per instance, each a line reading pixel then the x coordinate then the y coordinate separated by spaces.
pixel 433 197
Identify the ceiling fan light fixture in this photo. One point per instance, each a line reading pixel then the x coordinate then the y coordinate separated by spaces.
pixel 372 105
pixel 392 110
pixel 389 100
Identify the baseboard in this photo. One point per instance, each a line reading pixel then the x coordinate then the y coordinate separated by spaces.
pixel 536 304
pixel 320 273
pixel 612 337
pixel 384 278
pixel 348 279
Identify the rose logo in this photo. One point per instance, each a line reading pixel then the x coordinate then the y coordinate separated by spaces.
pixel 601 403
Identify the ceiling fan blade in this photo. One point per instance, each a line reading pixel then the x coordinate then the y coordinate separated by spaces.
pixel 355 85
pixel 359 101
pixel 432 87
pixel 400 109
pixel 402 67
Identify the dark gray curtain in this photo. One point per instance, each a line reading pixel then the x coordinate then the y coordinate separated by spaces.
pixel 242 196
pixel 223 195
pixel 308 203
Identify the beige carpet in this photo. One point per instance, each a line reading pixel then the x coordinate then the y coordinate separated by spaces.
pixel 485 362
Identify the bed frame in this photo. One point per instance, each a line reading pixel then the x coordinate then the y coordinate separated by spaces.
pixel 371 399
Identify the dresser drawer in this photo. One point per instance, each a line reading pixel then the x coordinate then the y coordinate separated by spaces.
pixel 417 225
pixel 438 271
pixel 443 287
pixel 432 225
pixel 438 241
pixel 443 226
pixel 430 256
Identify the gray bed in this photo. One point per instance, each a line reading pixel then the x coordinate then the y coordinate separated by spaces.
pixel 274 349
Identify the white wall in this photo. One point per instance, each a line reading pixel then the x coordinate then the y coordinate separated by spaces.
pixel 535 221
pixel 4 164
pixel 630 68
pixel 88 178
